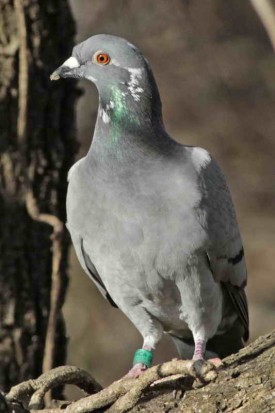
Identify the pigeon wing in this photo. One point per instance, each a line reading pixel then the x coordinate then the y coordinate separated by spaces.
pixel 92 272
pixel 225 250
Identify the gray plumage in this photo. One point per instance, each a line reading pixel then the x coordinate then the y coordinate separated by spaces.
pixel 152 221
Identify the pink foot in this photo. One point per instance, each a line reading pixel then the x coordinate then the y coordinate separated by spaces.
pixel 136 371
pixel 216 361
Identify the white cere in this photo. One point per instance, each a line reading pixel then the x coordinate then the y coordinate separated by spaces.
pixel 133 86
pixel 201 158
pixel 72 63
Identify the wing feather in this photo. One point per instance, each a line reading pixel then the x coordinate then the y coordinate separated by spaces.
pixel 89 267
pixel 224 250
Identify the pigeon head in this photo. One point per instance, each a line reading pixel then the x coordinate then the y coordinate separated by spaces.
pixel 121 74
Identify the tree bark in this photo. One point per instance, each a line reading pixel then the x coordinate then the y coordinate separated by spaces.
pixel 244 384
pixel 37 146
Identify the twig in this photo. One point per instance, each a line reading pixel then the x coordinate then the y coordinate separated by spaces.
pixel 58 228
pixel 35 390
pixel 237 376
pixel 102 399
pixel 266 13
pixel 183 367
pixel 124 394
pixel 48 411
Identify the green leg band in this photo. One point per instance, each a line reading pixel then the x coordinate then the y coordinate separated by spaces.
pixel 144 357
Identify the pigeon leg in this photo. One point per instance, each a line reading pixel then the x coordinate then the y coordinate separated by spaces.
pixel 148 326
pixel 139 367
pixel 199 353
pixel 199 359
pixel 152 331
pixel 198 356
pixel 199 349
pixel 136 371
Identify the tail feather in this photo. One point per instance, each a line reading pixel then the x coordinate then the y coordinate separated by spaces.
pixel 238 298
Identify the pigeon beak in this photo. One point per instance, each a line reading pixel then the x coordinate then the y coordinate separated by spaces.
pixel 65 69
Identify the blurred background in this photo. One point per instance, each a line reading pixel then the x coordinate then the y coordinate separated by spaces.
pixel 215 69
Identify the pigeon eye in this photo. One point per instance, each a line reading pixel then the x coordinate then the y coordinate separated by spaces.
pixel 102 58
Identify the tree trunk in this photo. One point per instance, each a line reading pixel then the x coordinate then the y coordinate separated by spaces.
pixel 37 146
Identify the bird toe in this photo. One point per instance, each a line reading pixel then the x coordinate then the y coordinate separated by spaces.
pixel 216 362
pixel 204 370
pixel 136 371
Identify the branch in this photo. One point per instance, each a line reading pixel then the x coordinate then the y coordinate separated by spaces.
pixel 35 390
pixel 56 287
pixel 243 384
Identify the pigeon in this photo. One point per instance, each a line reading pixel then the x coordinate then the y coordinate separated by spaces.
pixel 152 221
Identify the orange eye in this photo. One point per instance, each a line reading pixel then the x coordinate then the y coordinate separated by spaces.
pixel 103 58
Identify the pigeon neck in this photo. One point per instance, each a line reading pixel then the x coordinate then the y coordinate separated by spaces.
pixel 131 103
pixel 129 114
pixel 120 110
pixel 120 130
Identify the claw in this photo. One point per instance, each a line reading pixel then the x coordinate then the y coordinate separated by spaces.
pixel 198 365
pixel 216 361
pixel 205 370
pixel 136 371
